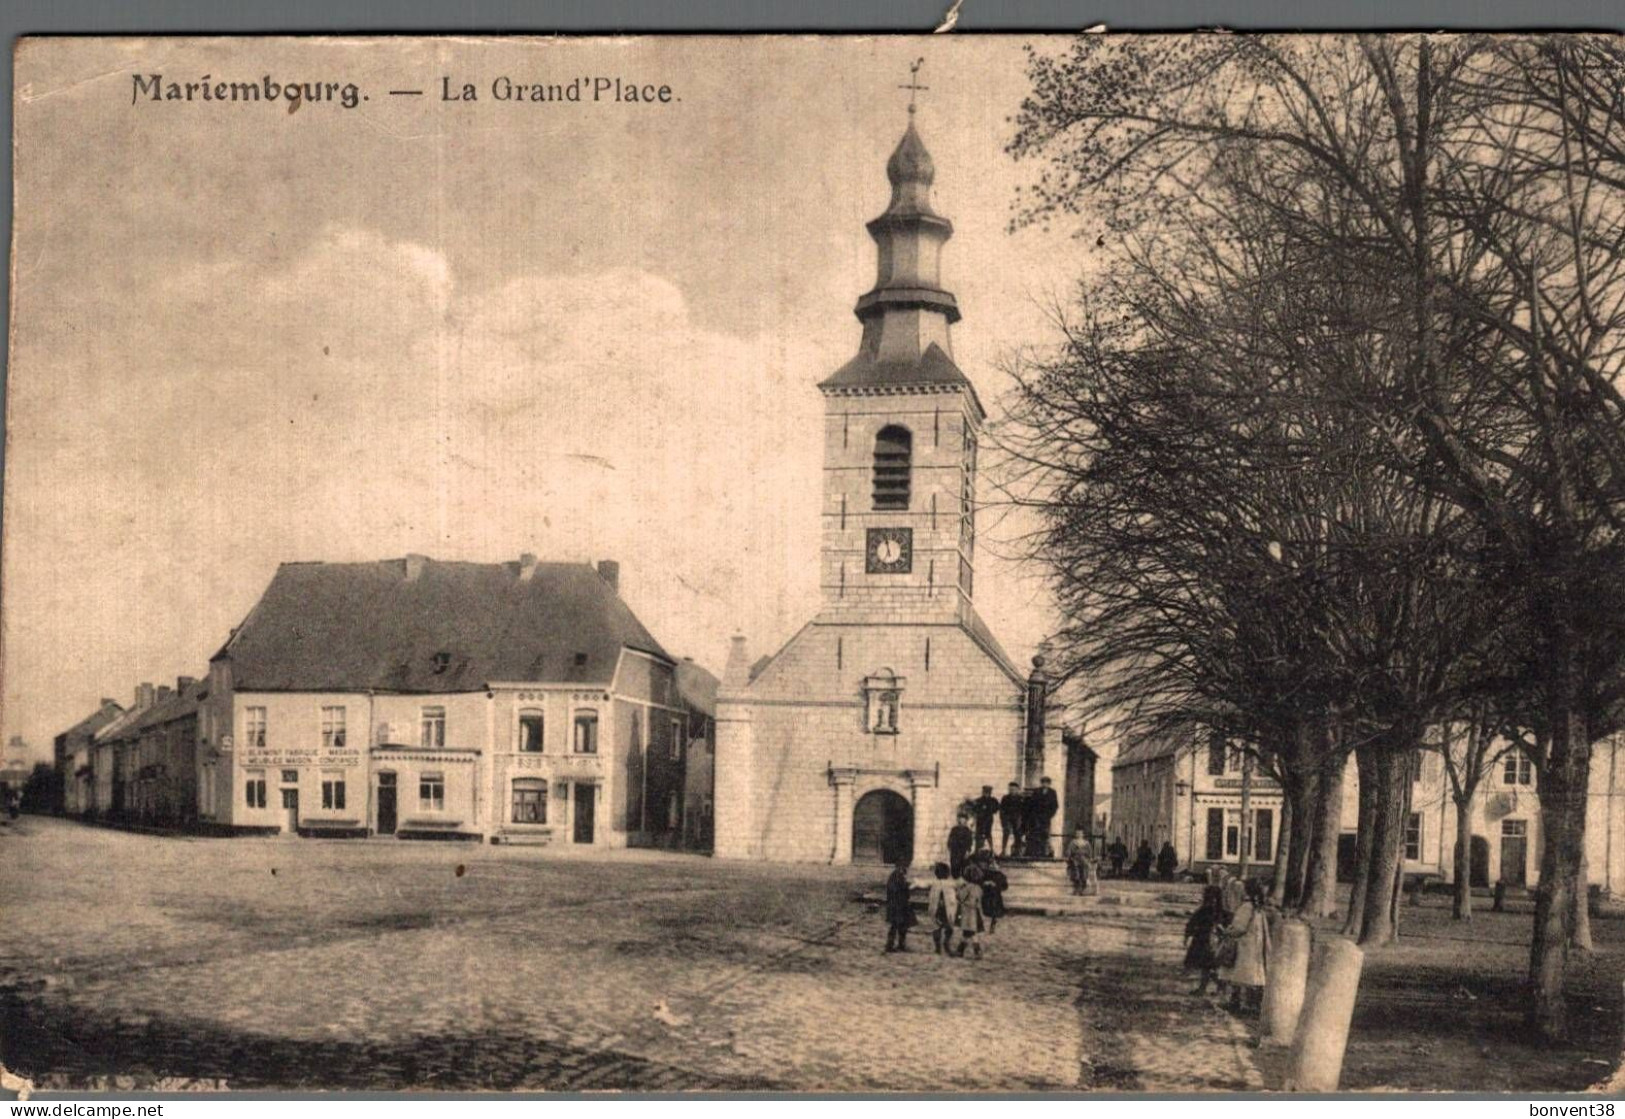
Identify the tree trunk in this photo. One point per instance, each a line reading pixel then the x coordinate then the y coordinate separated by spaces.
pixel 1378 919
pixel 1304 803
pixel 1366 770
pixel 1462 910
pixel 1283 850
pixel 1320 888
pixel 1562 804
pixel 1581 940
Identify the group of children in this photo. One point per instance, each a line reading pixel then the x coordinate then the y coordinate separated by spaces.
pixel 969 905
pixel 1227 940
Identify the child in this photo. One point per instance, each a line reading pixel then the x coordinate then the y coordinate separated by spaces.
pixel 943 905
pixel 969 917
pixel 1077 863
pixel 994 884
pixel 899 910
pixel 1202 933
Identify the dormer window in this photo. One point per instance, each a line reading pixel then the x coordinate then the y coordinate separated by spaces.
pixel 883 693
pixel 894 448
pixel 442 661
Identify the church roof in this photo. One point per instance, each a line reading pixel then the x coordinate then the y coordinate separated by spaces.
pixel 910 162
pixel 421 625
pixel 934 367
pixel 983 636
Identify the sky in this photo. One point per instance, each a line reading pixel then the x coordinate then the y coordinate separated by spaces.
pixel 244 336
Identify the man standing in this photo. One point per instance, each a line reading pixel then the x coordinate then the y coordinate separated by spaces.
pixel 1011 810
pixel 959 845
pixel 1119 853
pixel 1045 805
pixel 985 807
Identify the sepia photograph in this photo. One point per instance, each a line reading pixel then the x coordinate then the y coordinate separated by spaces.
pixel 907 564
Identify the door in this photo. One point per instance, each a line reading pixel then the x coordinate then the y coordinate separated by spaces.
pixel 882 828
pixel 1515 852
pixel 1478 862
pixel 290 811
pixel 386 804
pixel 586 800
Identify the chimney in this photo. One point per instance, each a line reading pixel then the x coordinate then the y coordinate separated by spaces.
pixel 736 675
pixel 143 696
pixel 610 572
pixel 163 693
pixel 109 702
pixel 527 567
pixel 414 566
pixel 184 682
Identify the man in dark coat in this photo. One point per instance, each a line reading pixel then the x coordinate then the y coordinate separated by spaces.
pixel 1044 805
pixel 1142 861
pixel 1119 854
pixel 1012 808
pixel 1167 860
pixel 984 808
pixel 960 840
pixel 899 910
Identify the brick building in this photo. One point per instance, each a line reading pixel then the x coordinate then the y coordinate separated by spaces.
pixel 72 755
pixel 522 701
pixel 862 736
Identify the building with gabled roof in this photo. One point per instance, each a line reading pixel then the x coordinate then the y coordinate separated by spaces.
pixel 72 755
pixel 519 701
pixel 894 705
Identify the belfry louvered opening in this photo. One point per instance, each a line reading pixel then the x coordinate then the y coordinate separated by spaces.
pixel 893 449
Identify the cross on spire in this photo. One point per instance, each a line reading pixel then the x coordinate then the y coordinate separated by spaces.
pixel 914 85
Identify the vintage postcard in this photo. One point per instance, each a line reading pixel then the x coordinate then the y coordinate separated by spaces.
pixel 921 564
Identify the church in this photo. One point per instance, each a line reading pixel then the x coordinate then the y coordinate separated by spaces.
pixel 864 735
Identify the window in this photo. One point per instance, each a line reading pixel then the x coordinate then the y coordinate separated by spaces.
pixel 530 732
pixel 676 739
pixel 893 447
pixel 1215 757
pixel 1232 834
pixel 1517 770
pixel 1415 766
pixel 529 801
pixel 254 728
pixel 333 791
pixel 332 728
pixel 1215 834
pixel 290 777
pixel 432 728
pixel 254 791
pixel 1264 834
pixel 674 811
pixel 432 792
pixel 1515 827
pixel 586 739
pixel 1413 836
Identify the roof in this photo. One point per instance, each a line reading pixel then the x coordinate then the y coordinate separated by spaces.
pixel 933 367
pixel 983 636
pixel 124 723
pixel 1148 749
pixel 453 627
pixel 697 687
pixel 93 722
pixel 175 705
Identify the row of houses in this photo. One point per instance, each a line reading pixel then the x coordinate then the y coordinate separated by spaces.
pixel 515 702
pixel 1189 792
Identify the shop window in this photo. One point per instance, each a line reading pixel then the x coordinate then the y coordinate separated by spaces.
pixel 333 728
pixel 432 792
pixel 333 792
pixel 529 801
pixel 530 732
pixel 1517 770
pixel 1264 835
pixel 432 728
pixel 254 792
pixel 254 728
pixel 1215 834
pixel 1413 836
pixel 586 732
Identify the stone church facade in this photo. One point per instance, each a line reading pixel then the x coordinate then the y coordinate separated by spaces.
pixel 861 738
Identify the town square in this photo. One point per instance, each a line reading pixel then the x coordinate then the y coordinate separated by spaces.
pixel 1081 565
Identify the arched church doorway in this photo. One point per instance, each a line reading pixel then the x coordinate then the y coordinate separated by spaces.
pixel 882 828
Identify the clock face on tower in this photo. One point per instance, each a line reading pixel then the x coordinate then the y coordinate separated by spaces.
pixel 890 551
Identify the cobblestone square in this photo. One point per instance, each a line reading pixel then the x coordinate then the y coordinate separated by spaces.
pixel 391 965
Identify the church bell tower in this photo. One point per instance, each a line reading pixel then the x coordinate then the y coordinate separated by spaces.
pixel 901 427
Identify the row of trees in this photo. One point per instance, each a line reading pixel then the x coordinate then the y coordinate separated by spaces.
pixel 1329 462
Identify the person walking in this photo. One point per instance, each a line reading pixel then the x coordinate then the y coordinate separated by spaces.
pixel 1143 858
pixel 959 845
pixel 1077 862
pixel 1012 809
pixel 942 907
pixel 969 916
pixel 899 910
pixel 994 885
pixel 1245 967
pixel 1167 861
pixel 984 808
pixel 1118 853
pixel 1202 933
